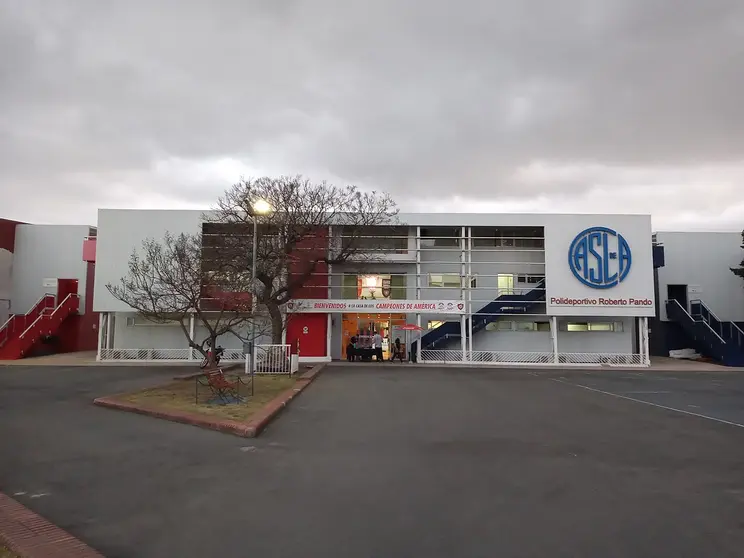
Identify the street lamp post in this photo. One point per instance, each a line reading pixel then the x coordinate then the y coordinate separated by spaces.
pixel 259 207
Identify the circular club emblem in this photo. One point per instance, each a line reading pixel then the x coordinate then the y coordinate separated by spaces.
pixel 599 257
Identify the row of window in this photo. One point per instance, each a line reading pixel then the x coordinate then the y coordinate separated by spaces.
pixel 505 281
pixel 506 325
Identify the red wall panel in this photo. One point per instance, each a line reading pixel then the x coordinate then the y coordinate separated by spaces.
pixel 311 249
pixel 7 234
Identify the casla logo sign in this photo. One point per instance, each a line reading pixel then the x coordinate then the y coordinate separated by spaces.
pixel 599 257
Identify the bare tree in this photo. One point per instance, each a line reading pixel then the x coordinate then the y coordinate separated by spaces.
pixel 171 280
pixel 293 248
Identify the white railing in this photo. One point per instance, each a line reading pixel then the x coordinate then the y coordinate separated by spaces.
pixel 228 355
pixel 270 359
pixel 273 359
pixel 160 355
pixel 509 357
pixel 435 356
pixel 145 355
pixel 441 356
pixel 602 359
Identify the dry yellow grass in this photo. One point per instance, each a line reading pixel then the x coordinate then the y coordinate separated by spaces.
pixel 5 553
pixel 180 396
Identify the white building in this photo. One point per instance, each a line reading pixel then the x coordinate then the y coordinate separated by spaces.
pixel 40 266
pixel 517 288
pixel 701 302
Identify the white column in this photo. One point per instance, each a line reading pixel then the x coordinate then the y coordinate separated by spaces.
pixel 554 337
pixel 101 322
pixel 329 326
pixel 109 337
pixel 463 297
pixel 646 344
pixel 470 293
pixel 191 334
pixel 418 290
pixel 329 334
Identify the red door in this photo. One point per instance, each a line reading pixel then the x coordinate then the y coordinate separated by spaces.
pixel 66 287
pixel 308 331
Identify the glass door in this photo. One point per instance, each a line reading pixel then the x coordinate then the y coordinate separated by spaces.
pixel 505 284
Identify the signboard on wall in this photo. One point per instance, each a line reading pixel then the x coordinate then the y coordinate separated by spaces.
pixel 383 306
pixel 599 265
pixel 47 283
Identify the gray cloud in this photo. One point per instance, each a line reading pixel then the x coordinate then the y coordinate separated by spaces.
pixel 519 103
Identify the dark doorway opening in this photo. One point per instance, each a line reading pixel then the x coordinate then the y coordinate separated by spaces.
pixel 678 293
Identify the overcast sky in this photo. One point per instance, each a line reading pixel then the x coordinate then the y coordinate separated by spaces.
pixel 501 105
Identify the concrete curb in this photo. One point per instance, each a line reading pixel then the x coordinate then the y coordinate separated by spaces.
pixel 31 536
pixel 249 429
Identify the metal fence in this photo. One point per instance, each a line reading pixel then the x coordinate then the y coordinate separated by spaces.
pixel 149 355
pixel 437 356
pixel 273 359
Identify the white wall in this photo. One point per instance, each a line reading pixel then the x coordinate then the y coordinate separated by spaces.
pixel 146 336
pixel 704 259
pixel 120 231
pixel 46 251
pixel 6 282
pixel 157 336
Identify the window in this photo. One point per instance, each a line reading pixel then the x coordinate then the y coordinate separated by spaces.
pixel 135 321
pixel 530 279
pixel 500 326
pixel 616 327
pixel 532 326
pixel 434 324
pixel 381 239
pixel 449 280
pixel 441 237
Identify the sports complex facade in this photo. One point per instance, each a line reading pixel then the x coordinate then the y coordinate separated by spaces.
pixel 488 288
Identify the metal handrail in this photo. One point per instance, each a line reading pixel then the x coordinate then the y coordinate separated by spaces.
pixel 7 322
pixel 719 320
pixel 65 300
pixel 41 315
pixel 713 331
pixel 34 305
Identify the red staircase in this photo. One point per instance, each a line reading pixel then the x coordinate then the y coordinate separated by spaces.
pixel 19 334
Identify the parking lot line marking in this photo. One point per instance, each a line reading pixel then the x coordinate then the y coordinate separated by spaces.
pixel 645 392
pixel 648 403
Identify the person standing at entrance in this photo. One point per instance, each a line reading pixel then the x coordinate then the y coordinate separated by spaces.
pixel 377 344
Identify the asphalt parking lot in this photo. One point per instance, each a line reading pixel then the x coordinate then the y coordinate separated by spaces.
pixel 393 462
pixel 712 395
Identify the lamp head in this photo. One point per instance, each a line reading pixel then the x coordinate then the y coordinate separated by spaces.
pixel 261 207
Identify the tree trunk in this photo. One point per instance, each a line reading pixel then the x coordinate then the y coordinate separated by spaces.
pixel 277 323
pixel 211 361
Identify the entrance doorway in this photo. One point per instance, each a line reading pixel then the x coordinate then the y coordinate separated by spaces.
pixel 678 293
pixel 364 327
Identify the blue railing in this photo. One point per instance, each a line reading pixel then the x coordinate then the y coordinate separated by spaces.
pixel 507 303
pixel 729 331
pixel 705 339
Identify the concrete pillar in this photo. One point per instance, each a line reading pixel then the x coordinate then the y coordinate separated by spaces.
pixel 554 337
pixel 101 325
pixel 191 334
